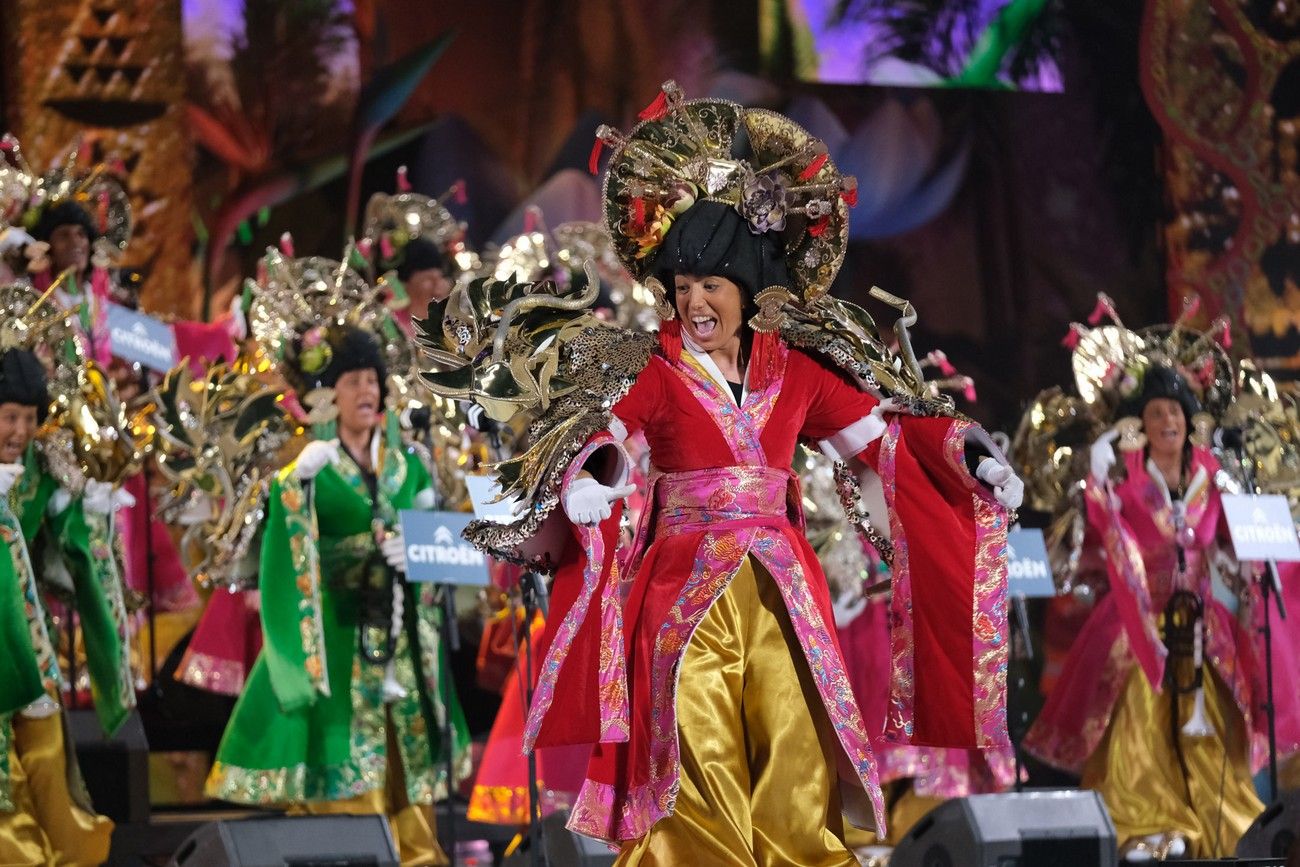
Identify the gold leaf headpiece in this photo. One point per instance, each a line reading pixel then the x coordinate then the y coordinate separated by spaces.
pixel 769 168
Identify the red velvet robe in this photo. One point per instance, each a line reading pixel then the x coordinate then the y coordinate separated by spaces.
pixel 610 679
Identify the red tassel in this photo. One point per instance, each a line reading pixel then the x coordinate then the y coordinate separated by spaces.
pixel 531 219
pixel 657 109
pixel 1100 310
pixel 813 168
pixel 403 182
pixel 944 365
pixel 1226 337
pixel 593 162
pixel 819 228
pixel 638 213
pixel 1071 340
pixel 101 213
pixel 969 391
pixel 459 193
pixel 286 244
pixel 670 339
pixel 850 197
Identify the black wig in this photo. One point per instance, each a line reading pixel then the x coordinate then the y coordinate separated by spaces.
pixel 64 213
pixel 1160 381
pixel 23 381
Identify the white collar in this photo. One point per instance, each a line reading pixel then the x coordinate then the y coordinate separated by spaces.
pixel 711 367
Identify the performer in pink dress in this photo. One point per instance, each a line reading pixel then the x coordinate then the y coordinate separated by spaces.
pixel 1155 705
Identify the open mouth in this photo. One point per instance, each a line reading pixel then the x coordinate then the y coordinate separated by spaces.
pixel 704 326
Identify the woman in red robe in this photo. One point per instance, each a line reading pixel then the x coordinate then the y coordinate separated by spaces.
pixel 704 669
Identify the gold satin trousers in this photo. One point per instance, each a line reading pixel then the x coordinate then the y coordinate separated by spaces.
pixel 1139 774
pixel 47 827
pixel 758 753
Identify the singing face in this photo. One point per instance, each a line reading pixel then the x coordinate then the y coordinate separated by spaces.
pixel 17 427
pixel 1165 425
pixel 69 248
pixel 356 393
pixel 710 309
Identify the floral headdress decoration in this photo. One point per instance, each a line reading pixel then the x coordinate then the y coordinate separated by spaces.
pixel 294 304
pixel 1111 362
pixel 393 220
pixel 770 169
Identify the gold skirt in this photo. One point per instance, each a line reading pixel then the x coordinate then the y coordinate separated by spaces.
pixel 47 827
pixel 1139 774
pixel 758 753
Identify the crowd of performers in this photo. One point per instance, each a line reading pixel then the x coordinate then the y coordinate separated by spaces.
pixel 778 621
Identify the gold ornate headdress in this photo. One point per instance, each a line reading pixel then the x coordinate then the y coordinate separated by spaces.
pixel 777 175
pixel 393 220
pixel 26 194
pixel 295 300
pixel 562 252
pixel 219 437
pixel 88 432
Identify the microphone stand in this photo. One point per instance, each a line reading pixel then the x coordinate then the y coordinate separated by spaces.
pixel 532 589
pixel 533 594
pixel 1020 617
pixel 1270 588
pixel 451 644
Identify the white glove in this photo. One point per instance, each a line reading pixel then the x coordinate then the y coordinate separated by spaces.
pixel 1101 457
pixel 587 501
pixel 394 550
pixel 313 458
pixel 97 498
pixel 1007 486
pixel 847 608
pixel 122 499
pixel 9 474
pixel 11 238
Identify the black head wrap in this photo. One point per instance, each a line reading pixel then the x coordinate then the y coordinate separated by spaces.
pixel 64 213
pixel 420 254
pixel 349 348
pixel 1160 381
pixel 712 239
pixel 23 381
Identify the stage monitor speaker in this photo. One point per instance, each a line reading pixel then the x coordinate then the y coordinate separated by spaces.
pixel 1274 831
pixel 565 848
pixel 290 841
pixel 115 769
pixel 1036 828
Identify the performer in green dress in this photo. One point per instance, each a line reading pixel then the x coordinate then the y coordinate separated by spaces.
pixel 343 710
pixel 45 814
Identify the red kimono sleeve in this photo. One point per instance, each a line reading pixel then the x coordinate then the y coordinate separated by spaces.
pixel 948 627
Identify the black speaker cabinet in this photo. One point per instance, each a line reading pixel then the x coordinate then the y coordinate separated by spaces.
pixel 280 841
pixel 1036 828
pixel 116 769
pixel 565 848
pixel 1275 831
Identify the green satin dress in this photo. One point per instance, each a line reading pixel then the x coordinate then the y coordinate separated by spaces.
pixel 312 723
